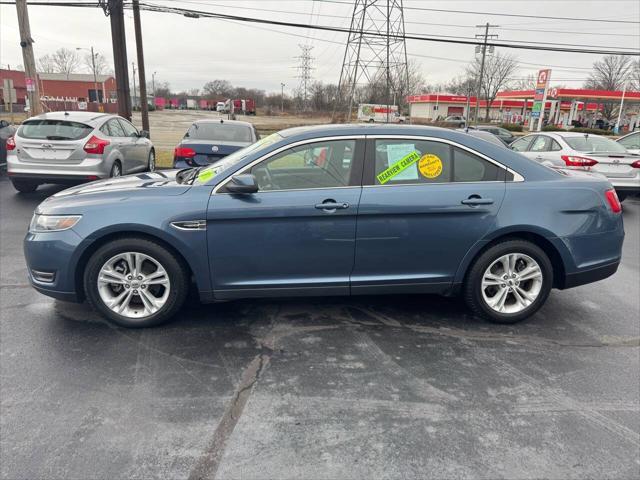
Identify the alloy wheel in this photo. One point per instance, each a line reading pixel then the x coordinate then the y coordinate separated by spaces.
pixel 152 161
pixel 511 283
pixel 116 171
pixel 133 284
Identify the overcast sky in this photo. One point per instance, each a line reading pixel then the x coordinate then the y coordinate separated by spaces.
pixel 188 52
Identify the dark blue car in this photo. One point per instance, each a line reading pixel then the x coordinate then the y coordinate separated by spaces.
pixel 208 141
pixel 330 210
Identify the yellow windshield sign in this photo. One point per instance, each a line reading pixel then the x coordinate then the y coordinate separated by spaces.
pixel 398 167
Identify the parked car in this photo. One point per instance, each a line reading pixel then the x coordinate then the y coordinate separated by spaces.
pixel 503 133
pixel 631 142
pixel 209 141
pixel 219 106
pixel 485 135
pixel 73 147
pixel 437 211
pixel 456 120
pixel 580 151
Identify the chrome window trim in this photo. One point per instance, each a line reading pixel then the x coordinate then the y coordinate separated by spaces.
pixel 282 149
pixel 516 176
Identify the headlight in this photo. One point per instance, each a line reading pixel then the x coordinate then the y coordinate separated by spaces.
pixel 52 223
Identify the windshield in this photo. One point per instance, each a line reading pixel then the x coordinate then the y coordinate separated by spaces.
pixel 230 160
pixel 592 143
pixel 54 130
pixel 222 132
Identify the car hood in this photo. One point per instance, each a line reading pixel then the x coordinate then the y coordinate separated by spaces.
pixel 165 179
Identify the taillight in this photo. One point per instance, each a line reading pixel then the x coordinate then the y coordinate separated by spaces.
pixel 575 161
pixel 184 152
pixel 635 164
pixel 96 145
pixel 11 143
pixel 614 203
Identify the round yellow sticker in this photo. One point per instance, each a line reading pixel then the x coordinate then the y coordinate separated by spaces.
pixel 430 165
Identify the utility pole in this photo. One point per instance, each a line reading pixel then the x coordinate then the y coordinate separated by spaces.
pixel 304 69
pixel 282 98
pixel 153 85
pixel 93 66
pixel 144 105
pixel 135 99
pixel 115 10
pixel 484 53
pixel 26 42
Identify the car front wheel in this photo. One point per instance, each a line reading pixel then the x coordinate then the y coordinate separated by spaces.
pixel 135 282
pixel 509 282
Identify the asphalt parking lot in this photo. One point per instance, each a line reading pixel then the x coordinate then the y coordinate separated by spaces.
pixel 371 387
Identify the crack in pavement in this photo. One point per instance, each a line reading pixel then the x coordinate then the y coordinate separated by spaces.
pixel 208 464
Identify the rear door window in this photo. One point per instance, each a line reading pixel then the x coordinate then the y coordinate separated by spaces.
pixel 129 130
pixel 54 130
pixel 522 144
pixel 115 129
pixel 540 144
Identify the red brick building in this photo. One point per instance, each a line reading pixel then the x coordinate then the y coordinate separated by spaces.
pixel 72 91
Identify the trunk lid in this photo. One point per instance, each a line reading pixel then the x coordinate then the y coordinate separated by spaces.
pixel 210 151
pixel 50 151
pixel 614 164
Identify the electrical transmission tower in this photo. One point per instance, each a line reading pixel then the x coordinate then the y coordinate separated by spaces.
pixel 375 54
pixel 304 74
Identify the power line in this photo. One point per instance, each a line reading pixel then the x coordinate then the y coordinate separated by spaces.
pixel 471 12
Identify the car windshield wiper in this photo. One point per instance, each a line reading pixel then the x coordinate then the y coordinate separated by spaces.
pixel 58 137
pixel 188 175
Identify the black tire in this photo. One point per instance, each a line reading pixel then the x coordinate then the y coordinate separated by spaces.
pixel 116 170
pixel 151 161
pixel 177 273
pixel 473 284
pixel 622 196
pixel 24 186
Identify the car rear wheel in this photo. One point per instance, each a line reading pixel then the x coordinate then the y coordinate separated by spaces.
pixel 135 282
pixel 24 186
pixel 151 163
pixel 116 170
pixel 509 282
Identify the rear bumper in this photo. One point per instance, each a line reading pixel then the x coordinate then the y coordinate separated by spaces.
pixel 53 178
pixel 590 275
pixel 90 168
pixel 628 185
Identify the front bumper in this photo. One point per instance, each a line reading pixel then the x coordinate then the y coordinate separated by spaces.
pixel 53 252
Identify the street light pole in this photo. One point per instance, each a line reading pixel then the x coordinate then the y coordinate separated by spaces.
pixel 282 98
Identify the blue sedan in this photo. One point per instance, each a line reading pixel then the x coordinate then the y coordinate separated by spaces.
pixel 209 141
pixel 330 210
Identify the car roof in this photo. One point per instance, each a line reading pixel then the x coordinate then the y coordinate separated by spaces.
pixel 74 116
pixel 223 121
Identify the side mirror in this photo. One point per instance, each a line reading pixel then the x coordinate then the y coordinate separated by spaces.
pixel 242 184
pixel 144 133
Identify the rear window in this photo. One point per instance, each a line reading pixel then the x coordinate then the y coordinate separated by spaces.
pixel 590 143
pixel 223 132
pixel 53 130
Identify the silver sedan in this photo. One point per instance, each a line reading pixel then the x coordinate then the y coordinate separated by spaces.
pixel 73 147
pixel 580 151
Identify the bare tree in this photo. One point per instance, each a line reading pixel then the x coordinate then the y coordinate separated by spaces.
pixel 461 85
pixel 217 89
pixel 45 64
pixel 102 64
pixel 609 73
pixel 634 77
pixel 525 83
pixel 65 61
pixel 498 73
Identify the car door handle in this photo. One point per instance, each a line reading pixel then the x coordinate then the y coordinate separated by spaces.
pixel 330 205
pixel 476 200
